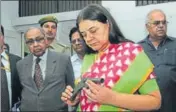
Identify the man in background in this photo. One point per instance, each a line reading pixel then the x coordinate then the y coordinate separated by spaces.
pixel 78 46
pixel 44 75
pixel 161 49
pixel 10 84
pixel 49 25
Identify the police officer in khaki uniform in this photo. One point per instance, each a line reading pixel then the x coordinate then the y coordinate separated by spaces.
pixel 49 25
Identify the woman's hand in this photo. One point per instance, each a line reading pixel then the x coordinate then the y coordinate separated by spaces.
pixel 66 95
pixel 104 95
pixel 98 93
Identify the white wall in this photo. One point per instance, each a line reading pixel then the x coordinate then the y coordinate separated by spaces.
pixel 15 26
pixel 131 19
pixel 66 22
pixel 9 12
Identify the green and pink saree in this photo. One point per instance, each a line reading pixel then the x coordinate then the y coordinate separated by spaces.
pixel 125 68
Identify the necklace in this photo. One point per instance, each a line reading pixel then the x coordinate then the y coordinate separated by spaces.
pixel 98 55
pixel 101 52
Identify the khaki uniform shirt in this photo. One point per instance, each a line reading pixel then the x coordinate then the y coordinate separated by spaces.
pixel 57 47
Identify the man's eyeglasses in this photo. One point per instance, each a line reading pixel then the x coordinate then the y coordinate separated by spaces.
pixel 156 23
pixel 37 39
pixel 79 40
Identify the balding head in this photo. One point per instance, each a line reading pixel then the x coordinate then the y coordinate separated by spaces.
pixel 34 29
pixel 152 12
pixel 156 25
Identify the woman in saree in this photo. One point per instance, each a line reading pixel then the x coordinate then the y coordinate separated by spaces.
pixel 129 81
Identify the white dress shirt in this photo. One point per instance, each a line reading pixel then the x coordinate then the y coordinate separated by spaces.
pixel 76 63
pixel 42 64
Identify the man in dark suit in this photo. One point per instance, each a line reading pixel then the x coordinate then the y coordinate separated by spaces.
pixel 161 49
pixel 44 75
pixel 8 69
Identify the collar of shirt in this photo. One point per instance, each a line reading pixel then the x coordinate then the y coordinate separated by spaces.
pixel 5 61
pixel 53 44
pixel 43 57
pixel 168 38
pixel 75 57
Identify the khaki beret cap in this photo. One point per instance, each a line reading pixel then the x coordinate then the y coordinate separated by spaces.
pixel 48 19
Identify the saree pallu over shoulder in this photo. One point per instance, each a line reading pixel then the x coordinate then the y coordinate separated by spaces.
pixel 125 67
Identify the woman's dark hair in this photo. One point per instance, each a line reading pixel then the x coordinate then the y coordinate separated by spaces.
pixel 99 13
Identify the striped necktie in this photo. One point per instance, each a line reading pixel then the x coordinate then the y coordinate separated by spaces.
pixel 38 74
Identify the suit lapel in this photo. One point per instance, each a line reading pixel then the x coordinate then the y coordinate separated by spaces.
pixel 28 67
pixel 50 67
pixel 11 62
pixel 12 66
